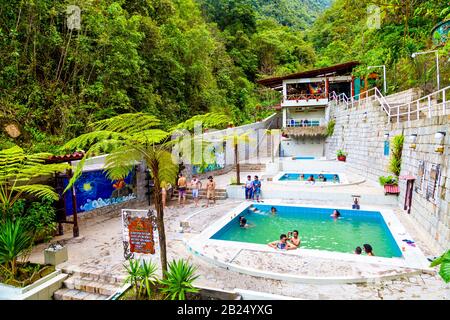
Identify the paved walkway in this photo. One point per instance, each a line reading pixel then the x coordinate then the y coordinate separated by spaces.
pixel 100 248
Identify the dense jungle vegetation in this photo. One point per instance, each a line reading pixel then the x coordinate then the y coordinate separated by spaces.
pixel 178 58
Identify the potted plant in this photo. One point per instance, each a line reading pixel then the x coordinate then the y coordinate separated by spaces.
pixel 341 155
pixel 390 184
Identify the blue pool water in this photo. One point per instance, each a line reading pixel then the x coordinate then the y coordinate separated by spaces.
pixel 317 230
pixel 296 177
pixel 303 158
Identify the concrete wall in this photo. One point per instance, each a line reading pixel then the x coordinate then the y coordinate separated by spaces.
pixel 363 139
pixel 303 146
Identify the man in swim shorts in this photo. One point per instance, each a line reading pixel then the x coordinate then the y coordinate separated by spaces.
pixel 182 186
pixel 196 185
pixel 210 191
pixel 282 244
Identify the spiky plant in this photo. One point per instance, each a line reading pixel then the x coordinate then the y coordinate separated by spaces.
pixel 15 241
pixel 179 280
pixel 17 173
pixel 147 273
pixel 134 275
pixel 131 138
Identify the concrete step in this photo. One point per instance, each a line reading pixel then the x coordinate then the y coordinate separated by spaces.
pixel 73 294
pixel 91 286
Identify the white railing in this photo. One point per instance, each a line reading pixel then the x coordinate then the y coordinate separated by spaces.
pixel 434 104
pixel 319 122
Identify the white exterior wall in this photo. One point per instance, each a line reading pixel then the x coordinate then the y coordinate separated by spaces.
pixel 304 146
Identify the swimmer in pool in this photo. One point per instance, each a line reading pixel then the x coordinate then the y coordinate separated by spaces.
pixel 336 214
pixel 368 250
pixel 273 210
pixel 293 238
pixel 302 177
pixel 282 244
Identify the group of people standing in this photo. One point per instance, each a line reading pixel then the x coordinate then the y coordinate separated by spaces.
pixel 253 188
pixel 195 185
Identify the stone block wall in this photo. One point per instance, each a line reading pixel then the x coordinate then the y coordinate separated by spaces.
pixel 361 132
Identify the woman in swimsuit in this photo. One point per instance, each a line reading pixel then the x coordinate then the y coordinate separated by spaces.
pixel 282 244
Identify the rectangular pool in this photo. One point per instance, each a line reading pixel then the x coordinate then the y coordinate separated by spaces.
pixel 317 230
pixel 304 177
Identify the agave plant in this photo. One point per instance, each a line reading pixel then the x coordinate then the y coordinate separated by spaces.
pixel 15 241
pixel 134 274
pixel 179 280
pixel 444 262
pixel 147 274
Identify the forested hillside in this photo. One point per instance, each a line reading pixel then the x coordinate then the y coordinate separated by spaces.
pixel 342 33
pixel 179 58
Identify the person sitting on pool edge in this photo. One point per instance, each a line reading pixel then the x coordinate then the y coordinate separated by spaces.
pixel 335 178
pixel 321 178
pixel 336 214
pixel 311 178
pixel 282 244
pixel 355 204
pixel 358 250
pixel 293 238
pixel 368 250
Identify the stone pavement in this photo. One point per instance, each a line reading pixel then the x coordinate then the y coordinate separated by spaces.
pixel 100 248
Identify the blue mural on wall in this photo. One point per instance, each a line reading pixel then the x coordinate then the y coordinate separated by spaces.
pixel 94 190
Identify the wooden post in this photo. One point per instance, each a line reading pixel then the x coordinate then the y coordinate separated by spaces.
pixel 76 231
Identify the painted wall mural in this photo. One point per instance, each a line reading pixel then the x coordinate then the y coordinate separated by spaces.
pixel 94 190
pixel 219 162
pixel 440 33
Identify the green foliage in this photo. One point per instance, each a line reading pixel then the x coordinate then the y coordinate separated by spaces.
pixel 342 34
pixel 142 275
pixel 395 163
pixel 444 262
pixel 330 127
pixel 388 180
pixel 341 153
pixel 40 219
pixel 179 280
pixel 15 241
pixel 17 171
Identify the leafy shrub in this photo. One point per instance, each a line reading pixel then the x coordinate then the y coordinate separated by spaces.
pixel 444 262
pixel 142 275
pixel 388 180
pixel 330 127
pixel 15 241
pixel 179 280
pixel 40 218
pixel 395 163
pixel 341 153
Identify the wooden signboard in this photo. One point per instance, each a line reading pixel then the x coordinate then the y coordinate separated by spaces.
pixel 140 233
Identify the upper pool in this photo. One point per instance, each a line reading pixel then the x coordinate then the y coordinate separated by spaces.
pixel 334 178
pixel 317 230
pixel 303 158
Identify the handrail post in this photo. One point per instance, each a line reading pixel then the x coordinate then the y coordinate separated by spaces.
pixel 443 102
pixel 418 110
pixel 429 106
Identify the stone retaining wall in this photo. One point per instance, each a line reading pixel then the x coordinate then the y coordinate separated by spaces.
pixel 363 137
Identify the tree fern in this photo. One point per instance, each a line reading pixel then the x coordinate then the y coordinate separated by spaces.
pixel 17 171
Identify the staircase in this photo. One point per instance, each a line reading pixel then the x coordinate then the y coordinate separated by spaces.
pixel 221 194
pixel 89 284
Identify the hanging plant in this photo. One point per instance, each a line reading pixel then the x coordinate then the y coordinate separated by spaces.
pixel 395 163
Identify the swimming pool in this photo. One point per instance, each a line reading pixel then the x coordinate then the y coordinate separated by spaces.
pixel 330 177
pixel 303 158
pixel 317 230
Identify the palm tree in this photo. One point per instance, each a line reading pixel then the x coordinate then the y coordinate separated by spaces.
pixel 131 138
pixel 18 171
pixel 236 139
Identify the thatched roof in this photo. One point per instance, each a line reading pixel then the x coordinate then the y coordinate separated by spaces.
pixel 306 131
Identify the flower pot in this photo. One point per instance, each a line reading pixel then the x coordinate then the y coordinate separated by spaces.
pixel 342 158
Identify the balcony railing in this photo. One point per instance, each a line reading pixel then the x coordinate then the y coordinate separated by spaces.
pixel 305 96
pixel 305 123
